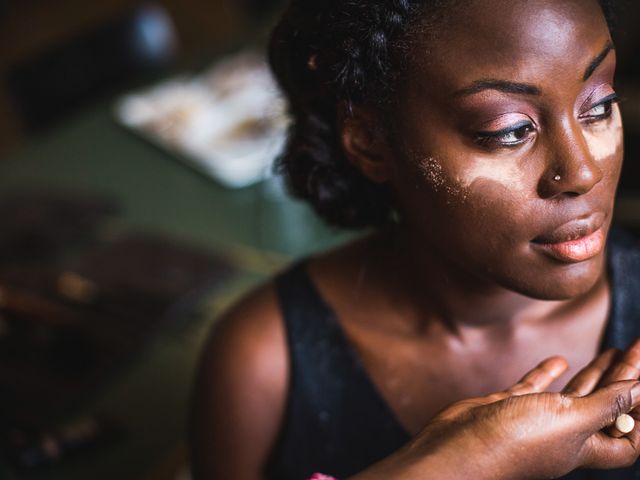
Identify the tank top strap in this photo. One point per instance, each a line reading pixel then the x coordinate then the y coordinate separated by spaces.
pixel 317 345
pixel 307 316
pixel 335 419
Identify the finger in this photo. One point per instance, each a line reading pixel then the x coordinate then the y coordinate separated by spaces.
pixel 620 428
pixel 623 425
pixel 604 452
pixel 587 379
pixel 635 415
pixel 607 452
pixel 536 380
pixel 626 368
pixel 601 408
pixel 539 379
pixel 478 401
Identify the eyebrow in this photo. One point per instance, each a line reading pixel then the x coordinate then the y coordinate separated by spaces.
pixel 525 88
pixel 499 85
pixel 597 61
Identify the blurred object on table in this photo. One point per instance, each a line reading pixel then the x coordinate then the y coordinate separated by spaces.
pixel 77 312
pixel 228 122
pixel 41 227
pixel 67 77
pixel 29 28
pixel 45 447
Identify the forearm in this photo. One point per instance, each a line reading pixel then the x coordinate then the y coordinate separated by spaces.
pixel 441 463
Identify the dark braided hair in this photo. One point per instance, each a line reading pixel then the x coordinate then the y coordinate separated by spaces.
pixel 329 52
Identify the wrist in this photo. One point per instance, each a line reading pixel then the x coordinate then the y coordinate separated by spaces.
pixel 410 463
pixel 461 457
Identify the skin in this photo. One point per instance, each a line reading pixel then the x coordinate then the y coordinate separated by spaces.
pixel 461 274
pixel 460 279
pixel 517 420
pixel 510 197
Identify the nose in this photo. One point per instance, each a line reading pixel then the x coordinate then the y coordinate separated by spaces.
pixel 571 169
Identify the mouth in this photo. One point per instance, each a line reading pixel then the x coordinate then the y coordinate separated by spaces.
pixel 575 241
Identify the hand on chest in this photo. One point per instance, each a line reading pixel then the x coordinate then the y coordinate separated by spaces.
pixel 416 380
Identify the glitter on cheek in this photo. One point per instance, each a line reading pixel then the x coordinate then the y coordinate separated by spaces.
pixel 433 171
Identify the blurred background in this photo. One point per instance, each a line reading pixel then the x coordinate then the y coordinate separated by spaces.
pixel 136 141
pixel 70 46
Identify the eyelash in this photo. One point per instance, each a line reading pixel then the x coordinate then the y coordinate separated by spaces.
pixel 486 139
pixel 607 103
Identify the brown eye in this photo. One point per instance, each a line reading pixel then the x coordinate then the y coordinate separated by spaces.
pixel 508 137
pixel 600 111
pixel 516 136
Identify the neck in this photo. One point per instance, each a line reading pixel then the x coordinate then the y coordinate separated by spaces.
pixel 440 294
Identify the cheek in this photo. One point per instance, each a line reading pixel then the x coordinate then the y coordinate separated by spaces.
pixel 604 141
pixel 498 215
pixel 507 175
pixel 440 182
pixel 475 181
pixel 478 197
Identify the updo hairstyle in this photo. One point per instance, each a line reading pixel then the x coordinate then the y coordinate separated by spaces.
pixel 330 52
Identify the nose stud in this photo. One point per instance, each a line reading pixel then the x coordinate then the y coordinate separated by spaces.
pixel 557 178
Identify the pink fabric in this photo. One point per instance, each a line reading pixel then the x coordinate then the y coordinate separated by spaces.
pixel 320 476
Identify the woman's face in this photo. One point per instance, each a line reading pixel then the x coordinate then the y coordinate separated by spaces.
pixel 511 144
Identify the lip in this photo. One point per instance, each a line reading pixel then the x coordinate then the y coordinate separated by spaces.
pixel 575 241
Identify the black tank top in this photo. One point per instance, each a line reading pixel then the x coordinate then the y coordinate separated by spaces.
pixel 336 421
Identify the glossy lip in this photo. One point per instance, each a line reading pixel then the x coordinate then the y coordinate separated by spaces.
pixel 574 241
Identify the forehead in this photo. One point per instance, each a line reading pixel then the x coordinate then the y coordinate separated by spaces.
pixel 515 40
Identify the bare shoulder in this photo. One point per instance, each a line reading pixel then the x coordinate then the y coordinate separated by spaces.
pixel 251 330
pixel 241 387
pixel 240 392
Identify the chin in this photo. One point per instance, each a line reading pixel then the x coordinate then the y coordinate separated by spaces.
pixel 561 281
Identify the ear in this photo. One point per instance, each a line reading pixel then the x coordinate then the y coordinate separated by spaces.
pixel 364 142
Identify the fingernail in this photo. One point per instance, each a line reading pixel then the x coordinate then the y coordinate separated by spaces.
pixel 635 394
pixel 558 368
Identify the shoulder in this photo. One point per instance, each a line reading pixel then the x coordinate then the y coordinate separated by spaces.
pixel 252 327
pixel 240 393
pixel 247 347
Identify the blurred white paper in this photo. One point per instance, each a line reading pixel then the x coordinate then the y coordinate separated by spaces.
pixel 229 122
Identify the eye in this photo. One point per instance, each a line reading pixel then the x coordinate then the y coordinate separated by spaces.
pixel 507 137
pixel 602 110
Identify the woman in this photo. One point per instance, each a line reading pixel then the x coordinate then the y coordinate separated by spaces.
pixel 482 142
